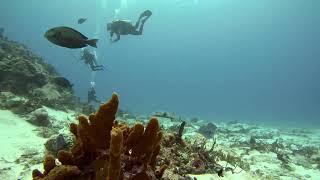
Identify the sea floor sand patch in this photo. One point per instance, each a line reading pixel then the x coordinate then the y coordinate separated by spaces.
pixel 18 141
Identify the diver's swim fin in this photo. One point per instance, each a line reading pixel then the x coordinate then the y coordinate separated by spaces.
pixel 146 13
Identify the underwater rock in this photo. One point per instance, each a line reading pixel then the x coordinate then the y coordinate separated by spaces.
pixel 59 98
pixel 48 91
pixel 28 76
pixel 57 143
pixel 19 75
pixel 208 130
pixel 62 81
pixel 39 117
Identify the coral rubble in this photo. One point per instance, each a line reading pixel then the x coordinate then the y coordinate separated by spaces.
pixel 105 149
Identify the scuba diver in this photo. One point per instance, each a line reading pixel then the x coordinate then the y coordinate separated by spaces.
pixel 1 32
pixel 91 60
pixel 124 27
pixel 92 94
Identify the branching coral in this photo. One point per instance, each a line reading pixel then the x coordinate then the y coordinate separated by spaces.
pixel 105 149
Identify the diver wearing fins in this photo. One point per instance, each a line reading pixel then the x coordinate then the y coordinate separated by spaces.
pixel 1 32
pixel 90 59
pixel 92 97
pixel 123 27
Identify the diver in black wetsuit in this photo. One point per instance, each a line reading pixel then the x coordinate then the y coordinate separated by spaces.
pixel 123 27
pixel 92 96
pixel 1 32
pixel 91 60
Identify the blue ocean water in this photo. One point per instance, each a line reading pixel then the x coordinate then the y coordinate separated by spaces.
pixel 247 60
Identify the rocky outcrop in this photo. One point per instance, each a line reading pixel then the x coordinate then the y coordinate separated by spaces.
pixel 208 130
pixel 39 117
pixel 55 143
pixel 20 70
pixel 30 83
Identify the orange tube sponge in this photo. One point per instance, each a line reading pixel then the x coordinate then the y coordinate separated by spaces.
pixel 154 157
pixel 36 174
pixel 145 144
pixel 102 122
pixel 101 150
pixel 158 140
pixel 74 129
pixel 134 136
pixel 48 164
pixel 160 172
pixel 65 157
pixel 156 150
pixel 63 172
pixel 96 130
pixel 114 165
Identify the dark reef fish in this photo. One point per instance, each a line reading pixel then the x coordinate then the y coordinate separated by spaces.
pixel 81 20
pixel 69 38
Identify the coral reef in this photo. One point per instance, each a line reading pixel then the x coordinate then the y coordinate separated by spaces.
pixel 28 82
pixel 106 149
